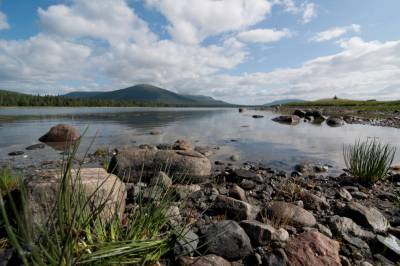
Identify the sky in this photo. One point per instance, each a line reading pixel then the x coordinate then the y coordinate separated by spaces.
pixel 240 51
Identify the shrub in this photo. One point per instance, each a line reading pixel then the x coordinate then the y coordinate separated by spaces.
pixel 369 160
pixel 76 234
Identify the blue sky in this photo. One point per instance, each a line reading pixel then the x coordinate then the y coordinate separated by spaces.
pixel 242 51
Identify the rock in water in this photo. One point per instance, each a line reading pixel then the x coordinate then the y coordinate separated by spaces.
pixel 367 217
pixel 287 119
pixel 107 189
pixel 16 153
pixel 290 213
pixel 61 133
pixel 334 122
pixel 299 113
pixel 228 240
pixel 134 164
pixel 35 147
pixel 313 249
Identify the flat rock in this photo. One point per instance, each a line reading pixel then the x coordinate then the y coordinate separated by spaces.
pixel 344 225
pixel 290 213
pixel 16 153
pixel 369 217
pixel 391 246
pixel 313 249
pixel 228 240
pixel 135 164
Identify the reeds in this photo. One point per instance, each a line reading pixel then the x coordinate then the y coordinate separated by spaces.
pixel 369 160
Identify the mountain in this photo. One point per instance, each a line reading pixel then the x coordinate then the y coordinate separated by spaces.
pixel 284 101
pixel 148 93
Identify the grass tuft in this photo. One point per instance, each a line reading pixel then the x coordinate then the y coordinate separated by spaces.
pixel 369 160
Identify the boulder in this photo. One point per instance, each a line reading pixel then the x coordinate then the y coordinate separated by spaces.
pixel 287 119
pixel 182 144
pixel 315 114
pixel 335 122
pixel 312 249
pixel 135 164
pixel 61 133
pixel 369 217
pixel 228 240
pixel 208 260
pixel 289 213
pixel 344 225
pixel 96 183
pixel 234 209
pixel 299 113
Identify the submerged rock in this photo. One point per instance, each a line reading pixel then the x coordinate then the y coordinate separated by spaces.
pixel 184 166
pixel 16 153
pixel 228 240
pixel 35 147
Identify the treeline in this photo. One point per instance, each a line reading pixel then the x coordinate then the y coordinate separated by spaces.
pixel 8 98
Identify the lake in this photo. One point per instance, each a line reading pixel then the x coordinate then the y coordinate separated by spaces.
pixel 257 140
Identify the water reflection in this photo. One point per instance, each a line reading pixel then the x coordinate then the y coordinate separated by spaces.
pixel 260 140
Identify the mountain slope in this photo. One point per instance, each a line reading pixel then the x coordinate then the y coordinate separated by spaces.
pixel 149 93
pixel 284 101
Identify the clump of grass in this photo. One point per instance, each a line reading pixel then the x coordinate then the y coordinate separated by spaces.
pixel 75 233
pixel 8 181
pixel 369 160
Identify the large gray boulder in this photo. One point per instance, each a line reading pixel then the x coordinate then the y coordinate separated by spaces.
pixel 95 184
pixel 228 240
pixel 134 164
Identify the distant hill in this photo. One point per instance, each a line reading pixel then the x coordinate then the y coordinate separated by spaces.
pixel 149 94
pixel 284 101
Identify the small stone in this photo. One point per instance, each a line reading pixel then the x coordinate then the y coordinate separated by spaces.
pixel 161 179
pixel 186 243
pixel 324 230
pixel 16 153
pixel 208 260
pixel 182 144
pixel 234 158
pixel 234 209
pixel 247 184
pixel 35 147
pixel 237 192
pixel 344 194
pixel 291 214
pixel 359 195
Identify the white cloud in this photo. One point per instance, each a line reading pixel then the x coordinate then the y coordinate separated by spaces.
pixel 3 21
pixel 335 33
pixel 307 10
pixel 263 35
pixel 191 21
pixel 113 21
pixel 361 70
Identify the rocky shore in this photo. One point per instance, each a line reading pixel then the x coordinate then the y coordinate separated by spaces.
pixel 347 115
pixel 251 214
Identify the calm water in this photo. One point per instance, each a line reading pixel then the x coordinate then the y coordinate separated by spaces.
pixel 257 140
